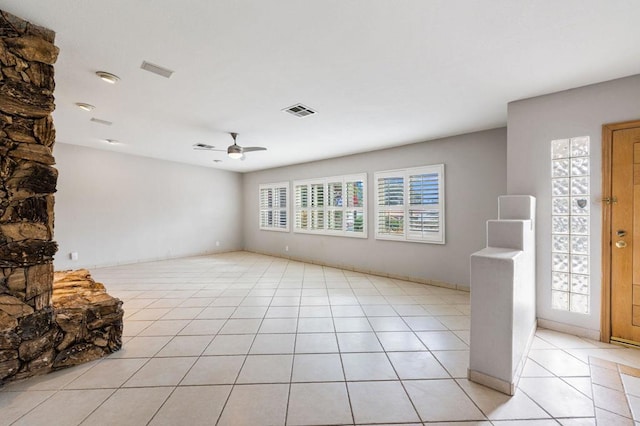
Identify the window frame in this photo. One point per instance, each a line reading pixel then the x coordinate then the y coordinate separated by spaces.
pixel 405 208
pixel 314 211
pixel 273 187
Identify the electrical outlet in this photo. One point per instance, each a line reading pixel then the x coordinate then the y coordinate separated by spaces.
pixel 217 243
pixel 286 248
pixel 73 255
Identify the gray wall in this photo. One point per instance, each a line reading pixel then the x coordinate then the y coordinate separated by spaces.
pixel 532 124
pixel 113 208
pixel 475 174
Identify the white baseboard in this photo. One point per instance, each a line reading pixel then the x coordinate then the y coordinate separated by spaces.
pixel 418 280
pixel 144 260
pixel 491 382
pixel 502 385
pixel 569 329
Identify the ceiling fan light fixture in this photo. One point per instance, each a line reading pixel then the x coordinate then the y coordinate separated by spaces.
pixel 234 151
pixel 108 77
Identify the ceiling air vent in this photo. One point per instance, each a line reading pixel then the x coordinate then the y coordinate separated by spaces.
pixel 203 146
pixel 99 121
pixel 299 110
pixel 156 69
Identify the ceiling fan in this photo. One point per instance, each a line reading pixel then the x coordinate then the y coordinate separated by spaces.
pixel 234 151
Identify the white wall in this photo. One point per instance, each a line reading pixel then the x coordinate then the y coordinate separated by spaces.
pixel 475 169
pixel 113 208
pixel 532 125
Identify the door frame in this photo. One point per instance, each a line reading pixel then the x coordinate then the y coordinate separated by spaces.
pixel 607 153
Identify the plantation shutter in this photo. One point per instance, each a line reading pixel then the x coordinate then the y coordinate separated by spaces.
pixel 353 202
pixel 274 206
pixel 301 204
pixel 424 206
pixel 317 206
pixel 334 206
pixel 390 205
pixel 280 208
pixel 331 206
pixel 410 204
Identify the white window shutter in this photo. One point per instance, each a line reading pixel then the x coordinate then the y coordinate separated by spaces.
pixel 274 206
pixel 335 206
pixel 410 204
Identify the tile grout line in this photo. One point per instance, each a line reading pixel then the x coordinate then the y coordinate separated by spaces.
pixel 293 356
pixel 344 373
pixel 154 356
pixel 99 405
pixel 245 264
pixel 626 396
pixel 554 376
pixel 55 392
pixel 246 356
pixel 417 413
pixel 174 387
pixel 450 376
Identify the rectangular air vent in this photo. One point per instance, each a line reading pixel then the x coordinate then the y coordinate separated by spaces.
pixel 99 121
pixel 299 110
pixel 156 69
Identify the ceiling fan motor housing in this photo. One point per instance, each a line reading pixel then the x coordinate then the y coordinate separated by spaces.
pixel 234 149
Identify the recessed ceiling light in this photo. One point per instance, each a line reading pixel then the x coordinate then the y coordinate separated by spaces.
pixel 111 141
pixel 108 77
pixel 85 107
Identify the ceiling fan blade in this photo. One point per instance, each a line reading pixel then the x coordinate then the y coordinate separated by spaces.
pixel 209 149
pixel 253 148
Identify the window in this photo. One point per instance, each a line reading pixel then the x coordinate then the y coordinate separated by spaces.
pixel 274 206
pixel 410 204
pixel 570 229
pixel 331 206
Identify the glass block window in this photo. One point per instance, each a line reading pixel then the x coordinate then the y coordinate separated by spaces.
pixel 570 229
pixel 410 204
pixel 331 206
pixel 274 206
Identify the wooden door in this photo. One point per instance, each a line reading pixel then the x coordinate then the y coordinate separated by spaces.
pixel 625 235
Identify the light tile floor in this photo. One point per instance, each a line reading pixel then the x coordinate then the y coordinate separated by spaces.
pixel 246 339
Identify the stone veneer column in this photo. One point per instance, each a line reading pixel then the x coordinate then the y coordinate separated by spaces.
pixel 27 183
pixel 45 323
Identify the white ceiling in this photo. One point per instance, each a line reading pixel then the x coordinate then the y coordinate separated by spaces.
pixel 380 73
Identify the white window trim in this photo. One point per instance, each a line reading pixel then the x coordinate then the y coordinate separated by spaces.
pixel 286 209
pixel 438 238
pixel 326 209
